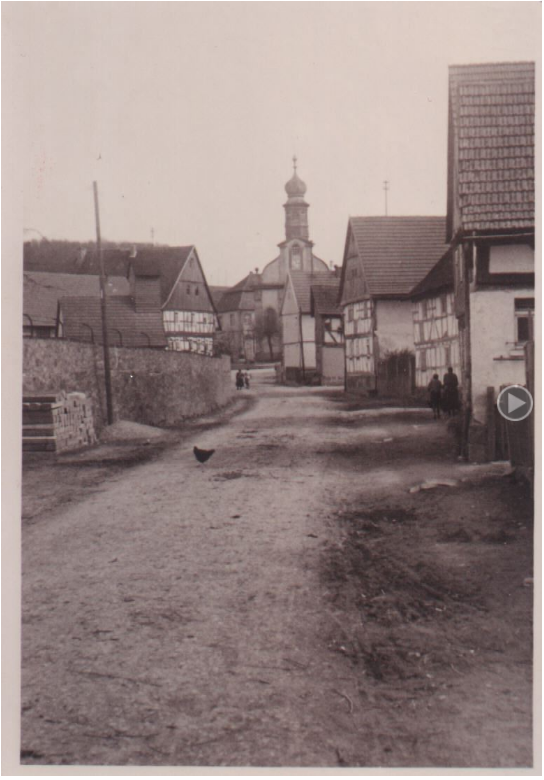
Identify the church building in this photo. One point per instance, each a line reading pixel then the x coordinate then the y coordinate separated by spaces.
pixel 267 288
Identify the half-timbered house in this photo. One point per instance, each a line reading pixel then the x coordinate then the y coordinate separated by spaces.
pixel 188 311
pixel 299 360
pixel 329 332
pixel 384 258
pixel 436 332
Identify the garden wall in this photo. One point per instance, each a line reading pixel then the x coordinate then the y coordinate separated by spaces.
pixel 148 386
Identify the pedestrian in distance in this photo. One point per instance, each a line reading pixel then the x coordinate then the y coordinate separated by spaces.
pixel 450 397
pixel 246 380
pixel 239 379
pixel 435 391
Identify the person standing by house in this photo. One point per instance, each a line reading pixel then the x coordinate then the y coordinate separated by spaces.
pixel 246 380
pixel 435 391
pixel 239 379
pixel 450 399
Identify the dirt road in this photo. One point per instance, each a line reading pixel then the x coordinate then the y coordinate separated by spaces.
pixel 290 603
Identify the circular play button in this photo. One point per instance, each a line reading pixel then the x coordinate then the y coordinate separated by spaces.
pixel 515 403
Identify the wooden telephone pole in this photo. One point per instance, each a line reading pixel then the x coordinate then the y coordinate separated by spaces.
pixel 386 190
pixel 103 306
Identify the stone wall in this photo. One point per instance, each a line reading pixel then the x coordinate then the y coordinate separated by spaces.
pixel 155 387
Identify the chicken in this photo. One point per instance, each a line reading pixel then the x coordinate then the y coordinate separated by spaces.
pixel 202 455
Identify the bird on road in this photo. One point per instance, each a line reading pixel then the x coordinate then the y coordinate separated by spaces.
pixel 202 455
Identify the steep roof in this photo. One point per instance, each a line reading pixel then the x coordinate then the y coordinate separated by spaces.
pixel 42 292
pixel 491 177
pixel 217 291
pixel 166 262
pixel 325 297
pixel 240 297
pixel 439 278
pixel 70 257
pixel 396 252
pixel 302 285
pixel 136 328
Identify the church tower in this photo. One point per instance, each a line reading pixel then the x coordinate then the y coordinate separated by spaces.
pixel 296 208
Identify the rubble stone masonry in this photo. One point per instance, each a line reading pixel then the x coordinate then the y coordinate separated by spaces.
pixel 149 386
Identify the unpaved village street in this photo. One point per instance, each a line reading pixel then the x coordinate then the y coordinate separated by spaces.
pixel 289 603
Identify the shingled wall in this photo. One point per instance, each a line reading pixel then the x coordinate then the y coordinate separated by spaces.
pixel 148 386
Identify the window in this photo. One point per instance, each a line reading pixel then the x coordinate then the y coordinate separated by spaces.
pixel 423 360
pixel 443 304
pixel 197 291
pixel 524 312
pixel 296 260
pixel 447 356
pixel 350 313
pixel 233 320
pixel 188 289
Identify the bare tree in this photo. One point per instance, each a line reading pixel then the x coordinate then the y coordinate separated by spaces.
pixel 267 325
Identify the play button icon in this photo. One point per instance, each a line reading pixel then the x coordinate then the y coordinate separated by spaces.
pixel 515 403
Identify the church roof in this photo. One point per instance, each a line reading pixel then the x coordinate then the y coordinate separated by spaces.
pixel 295 187
pixel 241 296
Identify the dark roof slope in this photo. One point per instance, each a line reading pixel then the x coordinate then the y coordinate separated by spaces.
pixel 302 285
pixel 217 291
pixel 42 292
pixel 240 297
pixel 126 326
pixel 71 257
pixel 397 252
pixel 166 262
pixel 491 177
pixel 439 278
pixel 325 297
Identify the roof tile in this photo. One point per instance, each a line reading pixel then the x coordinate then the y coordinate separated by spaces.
pixel 492 133
pixel 127 327
pixel 397 252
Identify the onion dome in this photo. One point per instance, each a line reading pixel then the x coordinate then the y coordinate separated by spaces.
pixel 295 187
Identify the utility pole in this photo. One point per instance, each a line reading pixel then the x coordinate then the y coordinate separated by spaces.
pixel 386 190
pixel 103 306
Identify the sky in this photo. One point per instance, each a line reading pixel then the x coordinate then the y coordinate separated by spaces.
pixel 188 115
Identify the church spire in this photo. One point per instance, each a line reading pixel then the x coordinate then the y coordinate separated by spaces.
pixel 296 208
